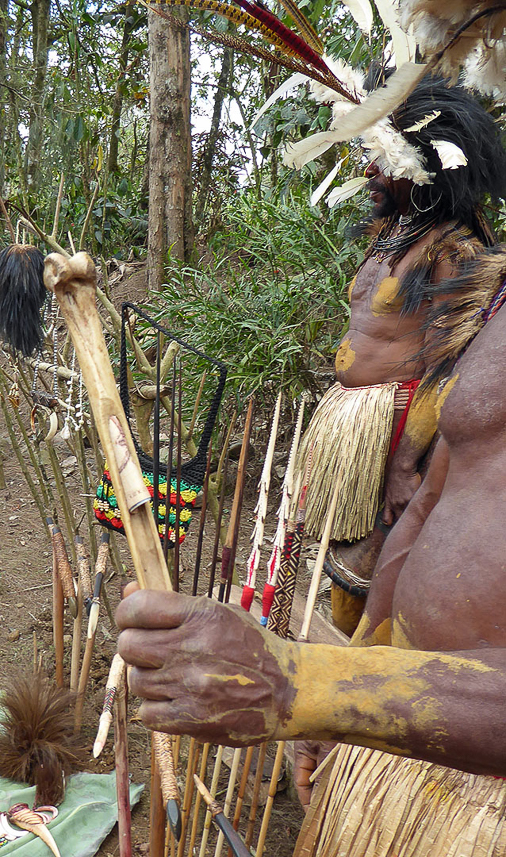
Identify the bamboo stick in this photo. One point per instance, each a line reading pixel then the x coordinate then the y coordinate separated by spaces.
pixel 122 777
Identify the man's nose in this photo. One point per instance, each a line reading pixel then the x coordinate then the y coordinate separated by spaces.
pixel 371 170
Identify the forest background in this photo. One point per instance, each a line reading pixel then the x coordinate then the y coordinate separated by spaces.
pixel 96 97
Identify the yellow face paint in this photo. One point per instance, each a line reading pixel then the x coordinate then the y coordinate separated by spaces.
pixel 443 395
pixel 386 297
pixel 345 356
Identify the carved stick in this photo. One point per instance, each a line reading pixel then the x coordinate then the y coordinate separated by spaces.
pixel 122 778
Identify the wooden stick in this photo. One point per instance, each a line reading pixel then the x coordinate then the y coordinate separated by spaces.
pixel 193 759
pixel 165 762
pixel 256 792
pixel 156 812
pixel 196 405
pixel 203 511
pixel 228 797
pixel 76 640
pixel 177 547
pixel 122 778
pixel 237 845
pixel 273 787
pixel 317 571
pixel 114 679
pixel 230 546
pixel 74 283
pixel 213 790
pixel 242 786
pixel 63 567
pixel 217 535
pixel 100 568
pixel 58 608
pixel 198 798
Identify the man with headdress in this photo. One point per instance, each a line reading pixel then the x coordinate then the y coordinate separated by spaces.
pixel 417 700
pixel 433 162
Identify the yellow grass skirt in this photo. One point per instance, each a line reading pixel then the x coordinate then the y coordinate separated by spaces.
pixel 350 434
pixel 373 804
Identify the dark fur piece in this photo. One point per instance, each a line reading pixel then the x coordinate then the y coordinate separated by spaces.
pixel 453 323
pixel 22 294
pixel 37 742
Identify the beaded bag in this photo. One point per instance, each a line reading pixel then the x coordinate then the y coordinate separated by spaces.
pixel 192 472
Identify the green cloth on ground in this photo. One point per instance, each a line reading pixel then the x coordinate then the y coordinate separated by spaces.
pixel 86 816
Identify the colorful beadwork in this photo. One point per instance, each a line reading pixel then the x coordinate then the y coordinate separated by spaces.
pixel 107 512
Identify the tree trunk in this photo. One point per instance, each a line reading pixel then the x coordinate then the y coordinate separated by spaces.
pixel 170 226
pixel 39 10
pixel 4 8
pixel 117 104
pixel 210 146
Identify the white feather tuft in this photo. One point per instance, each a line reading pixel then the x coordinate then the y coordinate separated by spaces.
pixel 351 79
pixel 485 70
pixel 346 190
pixel 394 155
pixel 451 156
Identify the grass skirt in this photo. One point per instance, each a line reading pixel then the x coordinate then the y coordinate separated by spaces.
pixel 350 433
pixel 373 804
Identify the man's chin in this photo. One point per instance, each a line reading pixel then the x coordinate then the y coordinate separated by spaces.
pixel 384 207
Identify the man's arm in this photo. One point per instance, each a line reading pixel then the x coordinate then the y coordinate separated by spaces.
pixel 403 477
pixel 208 670
pixel 374 626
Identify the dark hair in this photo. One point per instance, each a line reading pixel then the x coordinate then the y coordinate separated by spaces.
pixel 454 194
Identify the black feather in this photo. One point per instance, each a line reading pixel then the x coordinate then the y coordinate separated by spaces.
pixel 22 294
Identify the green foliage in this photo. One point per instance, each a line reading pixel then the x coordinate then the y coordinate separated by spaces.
pixel 272 304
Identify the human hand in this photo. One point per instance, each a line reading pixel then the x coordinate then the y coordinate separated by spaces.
pixel 308 756
pixel 205 669
pixel 400 486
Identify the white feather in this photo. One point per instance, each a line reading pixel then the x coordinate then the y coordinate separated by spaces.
pixel 298 154
pixel 362 12
pixel 381 102
pixel 393 154
pixel 325 184
pixel 346 190
pixel 423 122
pixel 351 79
pixel 404 45
pixel 451 156
pixel 293 81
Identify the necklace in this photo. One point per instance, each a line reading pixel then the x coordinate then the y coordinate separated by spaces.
pixel 403 234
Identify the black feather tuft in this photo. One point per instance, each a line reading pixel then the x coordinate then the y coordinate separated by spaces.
pixel 22 294
pixel 37 741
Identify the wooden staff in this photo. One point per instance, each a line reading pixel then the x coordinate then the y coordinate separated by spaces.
pixel 114 679
pixel 193 760
pixel 58 607
pixel 100 566
pixel 177 547
pixel 203 511
pixel 216 546
pixel 256 793
pixel 73 281
pixel 228 797
pixel 317 571
pixel 230 546
pixel 234 840
pixel 122 777
pixel 198 799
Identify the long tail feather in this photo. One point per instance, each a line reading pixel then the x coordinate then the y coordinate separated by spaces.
pixel 304 26
pixel 292 41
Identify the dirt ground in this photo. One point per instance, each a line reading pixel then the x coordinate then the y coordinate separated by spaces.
pixel 26 616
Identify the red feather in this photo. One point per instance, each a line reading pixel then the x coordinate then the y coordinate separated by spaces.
pixel 291 39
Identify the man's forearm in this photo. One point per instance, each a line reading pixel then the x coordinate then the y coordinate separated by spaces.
pixel 427 705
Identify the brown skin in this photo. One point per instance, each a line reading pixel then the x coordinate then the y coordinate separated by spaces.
pixel 379 347
pixel 425 677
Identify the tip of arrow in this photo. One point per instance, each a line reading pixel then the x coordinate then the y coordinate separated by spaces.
pixel 174 817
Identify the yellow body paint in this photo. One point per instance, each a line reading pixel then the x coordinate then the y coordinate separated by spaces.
pixel 400 638
pixel 351 287
pixel 386 297
pixel 345 356
pixel 443 395
pixel 240 679
pixel 421 423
